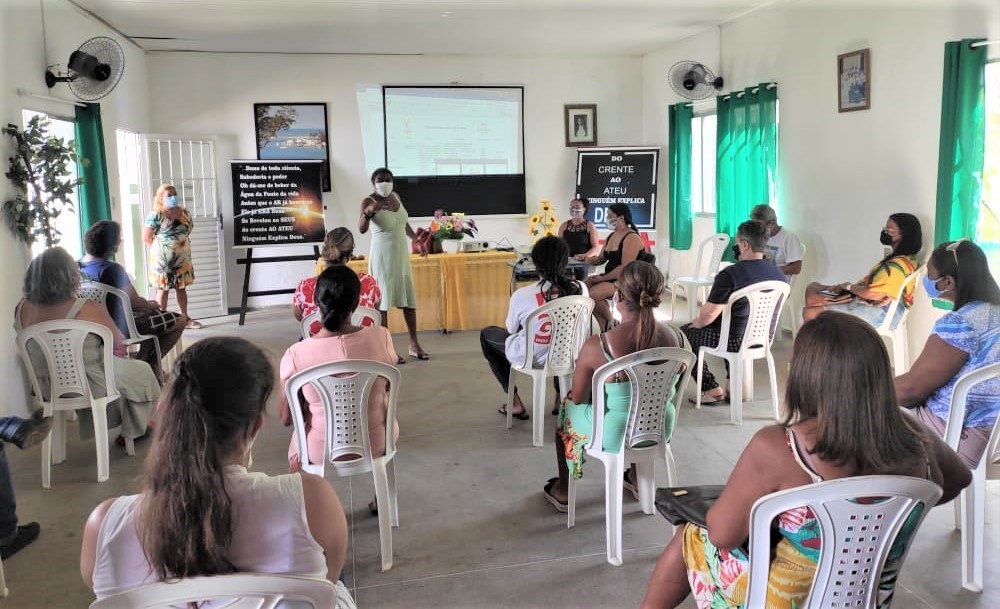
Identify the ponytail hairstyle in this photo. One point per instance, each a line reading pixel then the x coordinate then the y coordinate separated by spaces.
pixel 624 212
pixel 337 246
pixel 639 287
pixel 551 255
pixel 338 290
pixel 207 413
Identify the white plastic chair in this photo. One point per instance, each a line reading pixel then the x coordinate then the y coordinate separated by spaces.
pixel 897 336
pixel 569 324
pixel 3 583
pixel 698 283
pixel 970 507
pixel 99 292
pixel 243 590
pixel 651 375
pixel 793 307
pixel 856 537
pixel 357 318
pixel 765 300
pixel 61 343
pixel 344 388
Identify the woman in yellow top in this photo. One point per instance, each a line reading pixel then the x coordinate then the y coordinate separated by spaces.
pixel 870 297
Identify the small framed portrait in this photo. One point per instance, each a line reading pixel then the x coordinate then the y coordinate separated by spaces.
pixel 581 124
pixel 293 131
pixel 854 81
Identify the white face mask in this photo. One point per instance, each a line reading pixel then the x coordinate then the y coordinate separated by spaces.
pixel 383 188
pixel 576 213
pixel 612 224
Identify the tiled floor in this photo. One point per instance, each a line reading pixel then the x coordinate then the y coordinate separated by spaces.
pixel 474 528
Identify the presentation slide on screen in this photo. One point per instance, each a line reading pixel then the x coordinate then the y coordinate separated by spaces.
pixel 453 131
pixel 277 203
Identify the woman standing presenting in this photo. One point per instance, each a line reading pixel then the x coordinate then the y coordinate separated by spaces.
pixel 389 263
pixel 166 233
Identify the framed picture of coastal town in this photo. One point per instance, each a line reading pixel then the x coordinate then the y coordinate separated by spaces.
pixel 293 131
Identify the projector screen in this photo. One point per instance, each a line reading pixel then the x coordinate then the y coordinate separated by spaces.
pixel 456 148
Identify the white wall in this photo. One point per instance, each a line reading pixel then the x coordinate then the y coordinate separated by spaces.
pixel 209 94
pixel 840 174
pixel 24 57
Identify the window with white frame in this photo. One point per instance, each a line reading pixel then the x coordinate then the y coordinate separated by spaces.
pixel 703 164
pixel 68 222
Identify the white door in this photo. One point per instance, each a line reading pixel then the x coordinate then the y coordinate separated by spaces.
pixel 189 164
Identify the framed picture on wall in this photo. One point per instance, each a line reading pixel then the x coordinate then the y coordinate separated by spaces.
pixel 854 81
pixel 293 131
pixel 581 124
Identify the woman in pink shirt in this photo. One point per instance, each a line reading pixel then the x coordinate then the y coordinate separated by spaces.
pixel 337 292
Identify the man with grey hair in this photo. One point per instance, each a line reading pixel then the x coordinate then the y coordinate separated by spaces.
pixel 783 246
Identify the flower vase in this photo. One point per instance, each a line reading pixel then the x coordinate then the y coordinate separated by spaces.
pixel 451 246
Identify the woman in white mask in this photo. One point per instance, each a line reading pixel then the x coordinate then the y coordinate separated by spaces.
pixel 579 233
pixel 166 233
pixel 389 261
pixel 623 245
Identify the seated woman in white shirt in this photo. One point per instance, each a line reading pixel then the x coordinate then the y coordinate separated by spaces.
pixel 202 512
pixel 501 346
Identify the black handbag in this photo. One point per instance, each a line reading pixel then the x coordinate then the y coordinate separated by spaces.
pixel 683 504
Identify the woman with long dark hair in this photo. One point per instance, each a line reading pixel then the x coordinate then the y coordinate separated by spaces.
pixel 963 340
pixel 842 420
pixel 640 285
pixel 337 292
pixel 501 346
pixel 201 512
pixel 871 296
pixel 621 247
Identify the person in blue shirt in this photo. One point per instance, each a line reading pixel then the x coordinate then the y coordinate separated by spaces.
pixel 101 242
pixel 963 340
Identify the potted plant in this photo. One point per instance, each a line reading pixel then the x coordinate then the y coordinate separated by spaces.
pixel 451 229
pixel 39 171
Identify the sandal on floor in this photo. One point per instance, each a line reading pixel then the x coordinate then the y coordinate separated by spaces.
pixel 421 355
pixel 711 400
pixel 520 416
pixel 193 324
pixel 560 506
pixel 400 361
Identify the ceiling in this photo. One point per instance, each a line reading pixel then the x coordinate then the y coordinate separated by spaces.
pixel 465 27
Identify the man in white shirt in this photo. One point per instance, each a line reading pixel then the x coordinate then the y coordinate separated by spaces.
pixel 783 246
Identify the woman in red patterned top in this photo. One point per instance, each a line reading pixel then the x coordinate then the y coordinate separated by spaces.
pixel 337 249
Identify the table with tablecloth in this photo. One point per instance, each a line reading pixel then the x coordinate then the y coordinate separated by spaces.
pixel 464 291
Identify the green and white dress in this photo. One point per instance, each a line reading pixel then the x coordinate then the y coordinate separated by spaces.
pixel 389 260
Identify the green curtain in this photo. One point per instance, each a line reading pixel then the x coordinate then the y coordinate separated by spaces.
pixel 960 151
pixel 95 199
pixel 746 155
pixel 679 153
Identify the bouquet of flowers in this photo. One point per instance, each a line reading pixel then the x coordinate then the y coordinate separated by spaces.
pixel 452 226
pixel 543 224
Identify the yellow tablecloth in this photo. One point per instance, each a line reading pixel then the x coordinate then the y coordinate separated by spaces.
pixel 456 291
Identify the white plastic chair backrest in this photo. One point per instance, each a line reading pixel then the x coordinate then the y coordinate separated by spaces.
pixel 568 325
pixel 60 342
pixel 718 243
pixel 344 388
pixel 652 374
pixel 890 313
pixel 956 418
pixel 855 537
pixel 307 322
pixel 245 590
pixel 357 319
pixel 765 299
pixel 99 292
pixel 362 313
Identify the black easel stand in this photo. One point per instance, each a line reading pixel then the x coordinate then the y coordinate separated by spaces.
pixel 250 260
